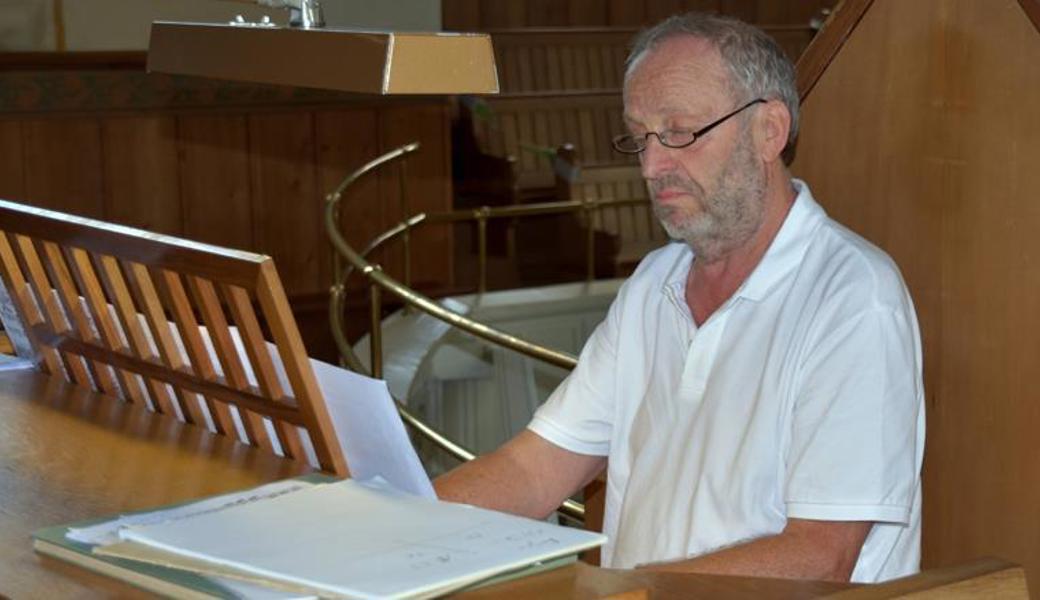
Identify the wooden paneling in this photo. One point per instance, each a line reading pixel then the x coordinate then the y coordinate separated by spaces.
pixel 426 187
pixel 570 60
pixel 746 10
pixel 284 192
pixel 502 13
pixel 625 13
pixel 12 183
pixel 771 11
pixel 214 179
pixel 519 125
pixel 591 13
pixel 541 13
pixel 936 162
pixel 140 170
pixel 660 9
pixel 479 15
pixel 235 165
pixel 542 60
pixel 348 139
pixel 460 15
pixel 1032 8
pixel 812 63
pixel 63 165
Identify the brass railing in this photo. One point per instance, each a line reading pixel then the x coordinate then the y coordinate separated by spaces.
pixel 379 282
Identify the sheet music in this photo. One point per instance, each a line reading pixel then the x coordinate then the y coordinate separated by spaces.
pixel 107 532
pixel 364 540
pixel 370 431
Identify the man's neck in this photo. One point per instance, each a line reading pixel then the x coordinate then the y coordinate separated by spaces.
pixel 709 284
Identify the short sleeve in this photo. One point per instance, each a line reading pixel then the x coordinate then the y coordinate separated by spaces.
pixel 855 435
pixel 578 415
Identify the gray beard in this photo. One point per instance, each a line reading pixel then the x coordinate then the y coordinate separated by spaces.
pixel 727 218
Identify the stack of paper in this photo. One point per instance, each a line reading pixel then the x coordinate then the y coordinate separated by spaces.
pixel 352 540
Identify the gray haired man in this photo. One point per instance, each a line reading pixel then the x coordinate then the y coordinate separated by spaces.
pixel 755 390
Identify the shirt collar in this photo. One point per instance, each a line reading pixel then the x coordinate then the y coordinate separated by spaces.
pixel 785 252
pixel 788 247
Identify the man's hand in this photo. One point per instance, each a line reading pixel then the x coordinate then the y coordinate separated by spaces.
pixel 805 549
pixel 527 476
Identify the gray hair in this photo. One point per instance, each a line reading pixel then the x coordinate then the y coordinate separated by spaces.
pixel 758 68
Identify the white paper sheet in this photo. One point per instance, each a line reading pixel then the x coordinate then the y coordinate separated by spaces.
pixel 365 540
pixel 107 532
pixel 370 431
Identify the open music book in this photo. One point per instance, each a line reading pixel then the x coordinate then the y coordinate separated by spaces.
pixel 342 539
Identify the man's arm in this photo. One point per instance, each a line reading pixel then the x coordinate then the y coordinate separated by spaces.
pixel 527 476
pixel 805 549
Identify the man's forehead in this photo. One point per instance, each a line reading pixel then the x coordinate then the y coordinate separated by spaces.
pixel 677 76
pixel 682 53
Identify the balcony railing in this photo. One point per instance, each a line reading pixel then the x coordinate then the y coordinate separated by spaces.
pixel 347 261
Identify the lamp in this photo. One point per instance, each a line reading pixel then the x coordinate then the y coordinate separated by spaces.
pixel 306 53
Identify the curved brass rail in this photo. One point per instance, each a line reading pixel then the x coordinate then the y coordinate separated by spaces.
pixel 380 281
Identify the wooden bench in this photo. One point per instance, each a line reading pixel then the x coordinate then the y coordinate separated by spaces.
pixel 522 130
pixel 569 59
pixel 634 227
pixel 560 86
pixel 95 301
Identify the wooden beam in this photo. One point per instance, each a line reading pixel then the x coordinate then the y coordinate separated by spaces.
pixel 1032 8
pixel 827 43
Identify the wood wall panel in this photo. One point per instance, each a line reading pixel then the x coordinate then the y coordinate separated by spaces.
pixel 592 13
pixel 770 11
pixel 547 13
pixel 503 13
pixel 63 165
pixel 232 164
pixel 214 181
pixel 347 139
pixel 142 187
pixel 660 9
pixel 12 176
pixel 945 179
pixel 460 15
pixel 746 10
pixel 479 15
pixel 625 13
pixel 429 126
pixel 284 191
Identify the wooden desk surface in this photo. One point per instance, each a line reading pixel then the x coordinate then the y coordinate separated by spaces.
pixel 582 582
pixel 67 454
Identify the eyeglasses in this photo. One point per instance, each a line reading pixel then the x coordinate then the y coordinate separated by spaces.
pixel 672 138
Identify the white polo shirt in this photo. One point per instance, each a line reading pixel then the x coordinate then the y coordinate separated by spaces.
pixel 800 397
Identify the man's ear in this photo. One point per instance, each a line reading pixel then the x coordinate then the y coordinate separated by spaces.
pixel 774 124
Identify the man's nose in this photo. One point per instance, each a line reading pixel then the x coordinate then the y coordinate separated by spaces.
pixel 656 158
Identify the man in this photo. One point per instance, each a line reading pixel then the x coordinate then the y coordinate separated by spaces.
pixel 755 389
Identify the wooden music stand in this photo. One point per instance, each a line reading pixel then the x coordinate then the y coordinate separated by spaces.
pixel 96 301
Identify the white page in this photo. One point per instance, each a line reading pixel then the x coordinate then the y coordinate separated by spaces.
pixel 107 532
pixel 370 431
pixel 365 540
